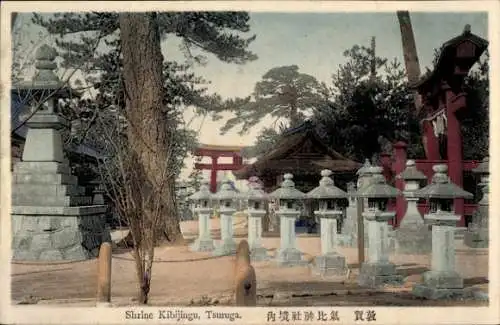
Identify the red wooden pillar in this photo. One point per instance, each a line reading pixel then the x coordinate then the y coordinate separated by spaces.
pixel 398 167
pixel 454 144
pixel 213 174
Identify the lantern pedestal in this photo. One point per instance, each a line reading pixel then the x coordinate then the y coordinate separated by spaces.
pixel 227 245
pixel 257 251
pixel 349 235
pixel 204 242
pixel 378 270
pixel 329 263
pixel 288 254
pixel 478 234
pixel 413 235
pixel 442 281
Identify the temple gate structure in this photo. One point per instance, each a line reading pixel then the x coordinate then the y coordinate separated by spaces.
pixel 215 152
pixel 443 103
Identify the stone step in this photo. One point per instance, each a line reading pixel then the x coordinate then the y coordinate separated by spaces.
pixel 46 190
pixel 53 201
pixel 44 178
pixel 33 167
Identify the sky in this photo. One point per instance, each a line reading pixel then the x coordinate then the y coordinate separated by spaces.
pixel 315 42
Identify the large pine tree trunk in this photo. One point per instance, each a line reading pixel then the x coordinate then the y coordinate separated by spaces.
pixel 147 133
pixel 409 47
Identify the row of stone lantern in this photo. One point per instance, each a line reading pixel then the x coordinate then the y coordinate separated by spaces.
pixel 378 270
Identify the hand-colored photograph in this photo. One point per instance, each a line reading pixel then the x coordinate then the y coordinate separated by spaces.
pixel 246 158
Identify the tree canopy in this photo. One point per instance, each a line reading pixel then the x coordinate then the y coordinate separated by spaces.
pixel 283 92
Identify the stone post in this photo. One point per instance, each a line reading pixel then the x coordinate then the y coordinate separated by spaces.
pixel 257 199
pixel 287 194
pixel 378 270
pixel 104 275
pixel 202 207
pixel 442 281
pixel 412 236
pixel 330 262
pixel 477 236
pixel 226 197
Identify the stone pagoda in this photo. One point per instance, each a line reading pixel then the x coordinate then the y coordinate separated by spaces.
pixel 52 219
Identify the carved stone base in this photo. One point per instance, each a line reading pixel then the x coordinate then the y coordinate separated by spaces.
pixel 258 254
pixel 476 239
pixel 57 238
pixel 202 245
pixel 377 274
pixel 330 265
pixel 290 257
pixel 224 248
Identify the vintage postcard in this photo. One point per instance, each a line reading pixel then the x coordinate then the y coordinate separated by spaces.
pixel 249 162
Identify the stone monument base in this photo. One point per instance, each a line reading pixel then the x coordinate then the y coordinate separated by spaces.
pixel 202 245
pixel 258 254
pixel 289 257
pixel 416 240
pixel 445 285
pixel 377 274
pixel 476 239
pixel 58 233
pixel 330 265
pixel 224 248
pixel 427 292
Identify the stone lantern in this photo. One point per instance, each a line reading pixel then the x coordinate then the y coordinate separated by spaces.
pixel 288 195
pixel 257 200
pixel 412 236
pixel 203 208
pixel 52 217
pixel 442 280
pixel 350 237
pixel 330 262
pixel 227 197
pixel 364 174
pixel 477 236
pixel 378 270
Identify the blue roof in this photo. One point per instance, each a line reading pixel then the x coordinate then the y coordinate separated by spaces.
pixel 17 105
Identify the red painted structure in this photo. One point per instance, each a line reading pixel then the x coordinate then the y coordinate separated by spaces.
pixel 215 152
pixel 443 98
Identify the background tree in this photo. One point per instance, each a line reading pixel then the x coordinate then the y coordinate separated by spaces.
pixel 370 102
pixel 283 92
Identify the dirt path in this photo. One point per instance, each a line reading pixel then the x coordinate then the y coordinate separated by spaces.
pixel 182 277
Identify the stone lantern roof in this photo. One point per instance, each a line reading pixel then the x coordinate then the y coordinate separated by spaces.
pixel 45 78
pixel 203 194
pixel 256 191
pixel 411 173
pixel 326 188
pixel 378 187
pixel 441 187
pixel 287 191
pixel 365 168
pixel 226 192
pixel 483 167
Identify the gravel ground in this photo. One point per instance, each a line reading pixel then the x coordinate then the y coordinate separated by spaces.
pixel 183 278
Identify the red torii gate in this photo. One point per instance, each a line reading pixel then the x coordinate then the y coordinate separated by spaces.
pixel 215 152
pixel 443 98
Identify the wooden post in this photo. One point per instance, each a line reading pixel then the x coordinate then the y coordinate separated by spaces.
pixel 361 231
pixel 104 274
pixel 245 282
